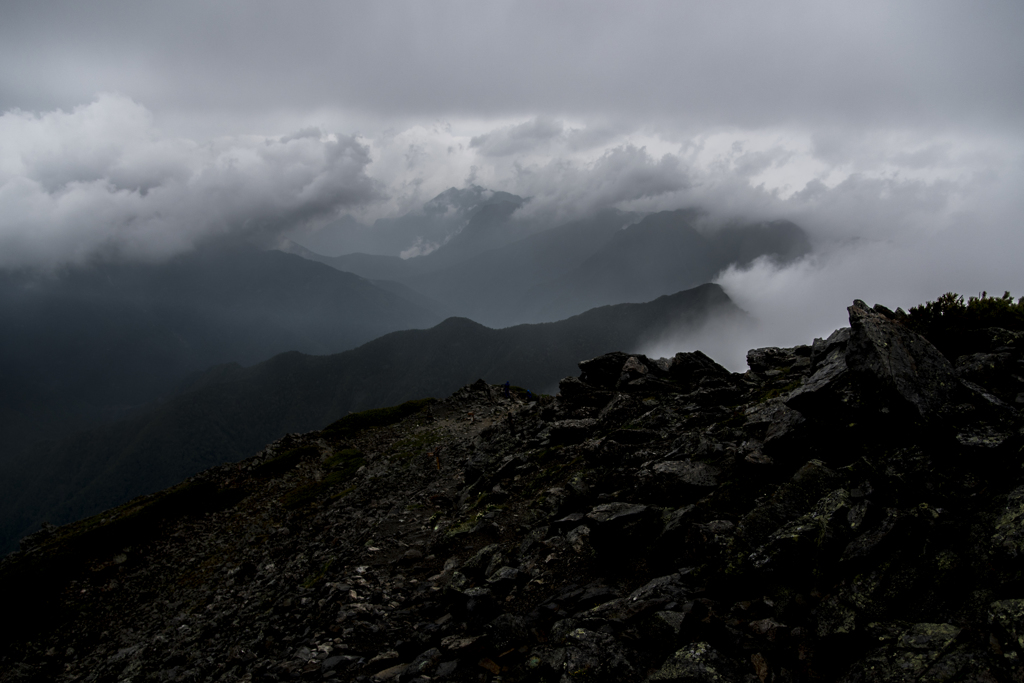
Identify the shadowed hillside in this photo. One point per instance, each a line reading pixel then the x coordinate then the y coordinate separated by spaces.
pixel 89 344
pixel 609 257
pixel 850 510
pixel 230 412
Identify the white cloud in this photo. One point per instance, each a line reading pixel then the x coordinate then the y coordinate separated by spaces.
pixel 101 180
pixel 897 216
pixel 517 139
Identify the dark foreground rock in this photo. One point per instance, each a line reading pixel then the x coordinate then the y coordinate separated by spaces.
pixel 851 510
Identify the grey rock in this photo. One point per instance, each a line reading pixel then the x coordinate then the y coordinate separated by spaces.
pixel 695 663
pixel 425 662
pixel 507 631
pixel 579 540
pixel 1008 617
pixel 1009 527
pixel 689 472
pixel 445 669
pixel 503 580
pixel 900 365
pixel 412 555
pixel 809 532
pixel 616 513
pixel 595 655
pixel 690 368
pixel 603 371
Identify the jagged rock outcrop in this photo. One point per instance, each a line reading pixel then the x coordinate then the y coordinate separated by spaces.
pixel 850 510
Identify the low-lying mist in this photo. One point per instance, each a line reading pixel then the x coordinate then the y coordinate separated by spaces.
pixel 894 215
pixel 724 337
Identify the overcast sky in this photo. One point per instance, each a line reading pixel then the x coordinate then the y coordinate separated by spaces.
pixel 892 131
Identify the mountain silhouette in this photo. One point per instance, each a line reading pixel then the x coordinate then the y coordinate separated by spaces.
pixel 230 411
pixel 846 510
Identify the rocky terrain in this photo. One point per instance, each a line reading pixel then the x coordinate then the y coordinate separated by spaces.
pixel 851 510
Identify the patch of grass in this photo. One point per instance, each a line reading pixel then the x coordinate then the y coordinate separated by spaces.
pixel 280 464
pixel 546 455
pixel 552 473
pixel 779 391
pixel 344 465
pixel 342 456
pixel 313 580
pixel 354 423
pixel 73 546
pixel 123 523
pixel 344 492
pixel 476 503
pixel 463 527
pixel 411 446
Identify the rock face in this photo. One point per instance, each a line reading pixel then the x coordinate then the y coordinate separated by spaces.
pixel 881 366
pixel 850 510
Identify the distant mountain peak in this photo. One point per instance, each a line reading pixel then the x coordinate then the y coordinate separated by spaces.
pixel 466 200
pixel 458 323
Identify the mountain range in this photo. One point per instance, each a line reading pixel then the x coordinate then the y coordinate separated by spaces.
pixel 849 510
pixel 467 220
pixel 229 411
pixel 91 343
pixel 106 386
pixel 609 257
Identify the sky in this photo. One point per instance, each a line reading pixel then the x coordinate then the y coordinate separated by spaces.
pixel 893 132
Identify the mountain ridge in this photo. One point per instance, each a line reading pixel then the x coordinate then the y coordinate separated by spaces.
pixel 608 257
pixel 235 410
pixel 109 336
pixel 848 510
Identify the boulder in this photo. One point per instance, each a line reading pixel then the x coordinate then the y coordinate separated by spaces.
pixel 899 367
pixel 574 391
pixel 617 529
pixel 695 663
pixel 687 472
pixel 1008 538
pixel 677 482
pixel 690 368
pixel 918 650
pixel 878 367
pixel 768 360
pixel 591 655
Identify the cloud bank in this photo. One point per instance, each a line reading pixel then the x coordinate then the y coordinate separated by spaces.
pixel 746 63
pixel 896 216
pixel 101 181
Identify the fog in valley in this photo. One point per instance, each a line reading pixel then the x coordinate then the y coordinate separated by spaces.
pixel 101 183
pixel 187 191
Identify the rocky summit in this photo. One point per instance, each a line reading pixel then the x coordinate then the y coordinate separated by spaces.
pixel 851 510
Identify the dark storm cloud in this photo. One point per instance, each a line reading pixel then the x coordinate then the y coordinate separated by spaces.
pixel 688 63
pixel 892 131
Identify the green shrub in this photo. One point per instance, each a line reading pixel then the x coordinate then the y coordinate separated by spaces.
pixel 949 312
pixel 949 321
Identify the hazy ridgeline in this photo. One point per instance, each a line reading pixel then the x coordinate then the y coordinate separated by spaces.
pixel 105 391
